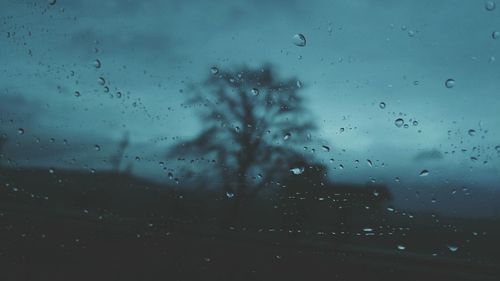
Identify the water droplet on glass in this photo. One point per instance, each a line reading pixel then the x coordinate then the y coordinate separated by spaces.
pixel 229 194
pixel 381 105
pixel 77 94
pixel 255 91
pixel 325 148
pixel 401 247
pixel 20 131
pixel 299 40
pixel 472 132
pixel 101 81
pixel 97 63
pixel 214 70
pixel 52 2
pixel 287 136
pixel 297 170
pixel 399 122
pixel 369 162
pixel 299 84
pixel 367 229
pixel 376 193
pixel 497 148
pixel 449 83
pixel 97 147
pixel 495 34
pixel 51 170
pixel 424 173
pixel 489 5
pixel 415 123
pixel 452 248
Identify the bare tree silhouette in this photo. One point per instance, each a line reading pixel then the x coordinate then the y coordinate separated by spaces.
pixel 254 126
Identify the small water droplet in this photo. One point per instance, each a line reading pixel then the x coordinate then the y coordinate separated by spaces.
pixel 472 132
pixel 401 247
pixel 77 94
pixel 449 83
pixel 382 105
pixel 415 123
pixel 376 193
pixel 399 122
pixel 287 136
pixel 297 170
pixel 299 84
pixel 101 81
pixel 97 63
pixel 369 162
pixel 495 34
pixel 490 5
pixel 214 70
pixel 97 147
pixel 51 170
pixel 52 2
pixel 453 248
pixel 325 148
pixel 229 195
pixel 424 173
pixel 20 131
pixel 497 148
pixel 255 91
pixel 299 40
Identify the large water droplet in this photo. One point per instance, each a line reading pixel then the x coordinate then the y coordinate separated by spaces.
pixel 399 122
pixel 297 170
pixel 299 40
pixel 490 5
pixel 449 83
pixel 424 173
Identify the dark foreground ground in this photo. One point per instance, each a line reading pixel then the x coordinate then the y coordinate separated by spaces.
pixel 41 247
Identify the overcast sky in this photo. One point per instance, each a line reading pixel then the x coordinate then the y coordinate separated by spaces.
pixel 358 54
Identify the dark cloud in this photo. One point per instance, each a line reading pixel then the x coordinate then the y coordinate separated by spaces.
pixel 429 155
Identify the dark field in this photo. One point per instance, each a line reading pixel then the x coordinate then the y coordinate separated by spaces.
pixel 47 239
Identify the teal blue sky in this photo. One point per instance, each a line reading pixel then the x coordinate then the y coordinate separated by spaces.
pixel 358 53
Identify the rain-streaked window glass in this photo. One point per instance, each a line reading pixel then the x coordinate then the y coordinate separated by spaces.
pixel 249 140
